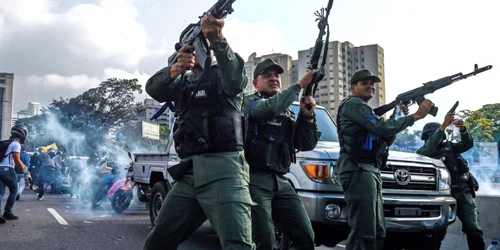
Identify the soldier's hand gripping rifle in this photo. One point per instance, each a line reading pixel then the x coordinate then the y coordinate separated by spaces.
pixel 192 34
pixel 322 17
pixel 418 94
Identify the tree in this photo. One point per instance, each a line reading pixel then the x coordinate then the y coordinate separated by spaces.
pixel 405 138
pixel 484 123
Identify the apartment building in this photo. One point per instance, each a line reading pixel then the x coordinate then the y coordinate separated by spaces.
pixel 285 61
pixel 6 104
pixel 344 59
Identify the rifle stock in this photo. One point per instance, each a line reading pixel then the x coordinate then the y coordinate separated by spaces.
pixel 418 94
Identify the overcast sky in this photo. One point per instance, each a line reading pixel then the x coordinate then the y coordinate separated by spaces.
pixel 64 47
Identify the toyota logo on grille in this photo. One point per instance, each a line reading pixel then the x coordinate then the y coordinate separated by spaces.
pixel 402 177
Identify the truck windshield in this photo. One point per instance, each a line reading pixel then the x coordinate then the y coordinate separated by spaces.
pixel 325 124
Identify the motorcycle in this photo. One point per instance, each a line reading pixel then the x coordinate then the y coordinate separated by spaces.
pixel 105 184
pixel 121 193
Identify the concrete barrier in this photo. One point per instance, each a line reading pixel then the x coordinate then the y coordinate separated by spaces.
pixel 489 220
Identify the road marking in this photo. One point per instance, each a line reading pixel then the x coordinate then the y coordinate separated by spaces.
pixel 58 217
pixel 342 246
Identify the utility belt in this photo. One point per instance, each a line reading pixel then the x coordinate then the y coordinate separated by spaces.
pixel 209 133
pixel 465 182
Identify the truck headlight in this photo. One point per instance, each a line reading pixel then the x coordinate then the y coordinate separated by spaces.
pixel 318 171
pixel 322 172
pixel 444 180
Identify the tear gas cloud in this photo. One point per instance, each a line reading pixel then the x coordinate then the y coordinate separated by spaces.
pixel 76 143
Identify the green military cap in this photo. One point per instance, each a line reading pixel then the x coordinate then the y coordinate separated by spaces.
pixel 265 65
pixel 363 74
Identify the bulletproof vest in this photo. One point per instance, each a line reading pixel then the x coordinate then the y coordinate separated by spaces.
pixel 362 146
pixel 268 144
pixel 205 122
pixel 455 163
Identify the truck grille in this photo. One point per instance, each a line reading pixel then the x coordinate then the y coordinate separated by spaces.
pixel 404 176
pixel 413 211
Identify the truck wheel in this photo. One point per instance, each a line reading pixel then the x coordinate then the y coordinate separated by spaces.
pixel 283 241
pixel 158 194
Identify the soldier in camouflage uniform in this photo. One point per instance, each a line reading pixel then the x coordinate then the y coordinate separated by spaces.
pixel 213 177
pixel 364 138
pixel 270 149
pixel 463 184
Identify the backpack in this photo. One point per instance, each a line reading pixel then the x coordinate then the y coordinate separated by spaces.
pixel 4 145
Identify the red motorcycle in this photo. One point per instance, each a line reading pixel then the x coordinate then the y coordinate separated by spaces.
pixel 121 193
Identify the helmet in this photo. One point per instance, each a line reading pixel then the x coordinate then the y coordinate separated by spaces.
pixel 19 131
pixel 429 128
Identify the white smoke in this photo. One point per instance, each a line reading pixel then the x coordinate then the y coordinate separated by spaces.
pixel 64 136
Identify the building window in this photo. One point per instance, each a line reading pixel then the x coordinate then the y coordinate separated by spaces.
pixel 2 80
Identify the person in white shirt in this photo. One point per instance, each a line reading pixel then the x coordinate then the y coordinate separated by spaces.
pixel 11 157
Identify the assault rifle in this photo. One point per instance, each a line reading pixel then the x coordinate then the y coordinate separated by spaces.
pixel 418 94
pixel 322 17
pixel 192 34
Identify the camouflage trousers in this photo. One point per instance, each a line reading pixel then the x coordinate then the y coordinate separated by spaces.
pixel 363 195
pixel 226 203
pixel 284 208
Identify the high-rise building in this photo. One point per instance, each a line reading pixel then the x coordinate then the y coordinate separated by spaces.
pixel 150 108
pixel 35 108
pixel 344 59
pixel 283 60
pixel 6 100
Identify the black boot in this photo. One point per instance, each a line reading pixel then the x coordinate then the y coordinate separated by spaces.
pixel 475 241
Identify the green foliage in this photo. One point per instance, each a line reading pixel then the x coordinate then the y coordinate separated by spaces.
pixel 405 137
pixel 484 123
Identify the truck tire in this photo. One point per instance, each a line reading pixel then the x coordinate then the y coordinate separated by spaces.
pixel 283 241
pixel 158 194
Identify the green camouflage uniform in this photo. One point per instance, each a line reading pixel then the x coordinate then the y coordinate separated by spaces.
pixel 275 197
pixel 217 186
pixel 460 189
pixel 361 182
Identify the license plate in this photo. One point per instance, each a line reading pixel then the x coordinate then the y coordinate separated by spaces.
pixel 407 211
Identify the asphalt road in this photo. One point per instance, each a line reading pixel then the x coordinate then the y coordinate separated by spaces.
pixel 60 222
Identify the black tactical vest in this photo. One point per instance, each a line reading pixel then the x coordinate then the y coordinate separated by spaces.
pixel 268 144
pixel 455 163
pixel 366 147
pixel 207 124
